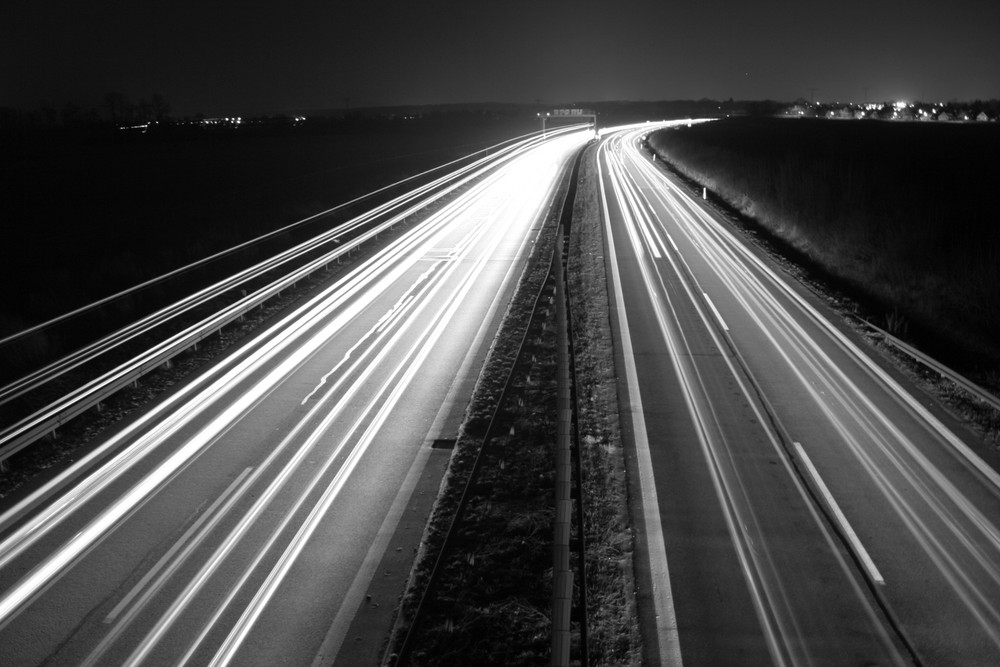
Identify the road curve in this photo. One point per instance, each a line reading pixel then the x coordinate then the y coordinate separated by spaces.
pixel 800 501
pixel 241 518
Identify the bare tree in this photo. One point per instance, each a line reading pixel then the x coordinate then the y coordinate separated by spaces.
pixel 71 114
pixel 144 110
pixel 159 106
pixel 119 108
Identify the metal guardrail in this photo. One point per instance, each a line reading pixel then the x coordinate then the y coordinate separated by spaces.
pixel 562 572
pixel 23 433
pixel 502 146
pixel 493 430
pixel 569 462
pixel 15 437
pixel 939 368
pixel 918 356
pixel 150 322
pixel 144 325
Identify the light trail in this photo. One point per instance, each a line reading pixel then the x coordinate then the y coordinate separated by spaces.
pixel 930 500
pixel 304 446
pixel 347 360
pixel 776 616
pixel 365 227
pixel 667 636
pixel 285 334
pixel 393 388
pixel 860 422
pixel 397 381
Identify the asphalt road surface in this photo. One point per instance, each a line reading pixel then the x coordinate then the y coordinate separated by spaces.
pixel 798 500
pixel 241 519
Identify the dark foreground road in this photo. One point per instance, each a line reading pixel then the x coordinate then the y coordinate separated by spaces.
pixel 241 520
pixel 799 503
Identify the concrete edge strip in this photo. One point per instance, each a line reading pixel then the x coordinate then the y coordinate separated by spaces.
pixel 666 619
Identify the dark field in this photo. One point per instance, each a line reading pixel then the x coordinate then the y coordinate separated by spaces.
pixel 85 216
pixel 903 214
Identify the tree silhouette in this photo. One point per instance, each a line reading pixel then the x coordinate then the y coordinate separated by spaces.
pixel 159 105
pixel 119 108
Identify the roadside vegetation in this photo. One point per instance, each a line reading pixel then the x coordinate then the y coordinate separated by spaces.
pixel 613 623
pixel 902 214
pixel 492 602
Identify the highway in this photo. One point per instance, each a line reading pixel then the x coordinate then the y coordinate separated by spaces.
pixel 246 516
pixel 797 500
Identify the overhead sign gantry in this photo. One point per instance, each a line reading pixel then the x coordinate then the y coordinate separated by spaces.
pixel 563 115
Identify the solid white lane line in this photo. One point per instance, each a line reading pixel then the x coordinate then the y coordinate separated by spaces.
pixel 399 380
pixel 263 500
pixel 668 638
pixel 331 414
pixel 45 573
pixel 287 331
pixel 330 647
pixel 764 585
pixel 334 639
pixel 158 632
pixel 852 537
pixel 715 312
pixel 53 567
pixel 298 320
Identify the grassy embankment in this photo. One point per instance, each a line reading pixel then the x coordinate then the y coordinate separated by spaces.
pixel 902 213
pixel 492 605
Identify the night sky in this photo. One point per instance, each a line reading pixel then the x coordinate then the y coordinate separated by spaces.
pixel 250 57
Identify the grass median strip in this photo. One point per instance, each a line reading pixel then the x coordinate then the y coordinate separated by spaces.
pixel 493 601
